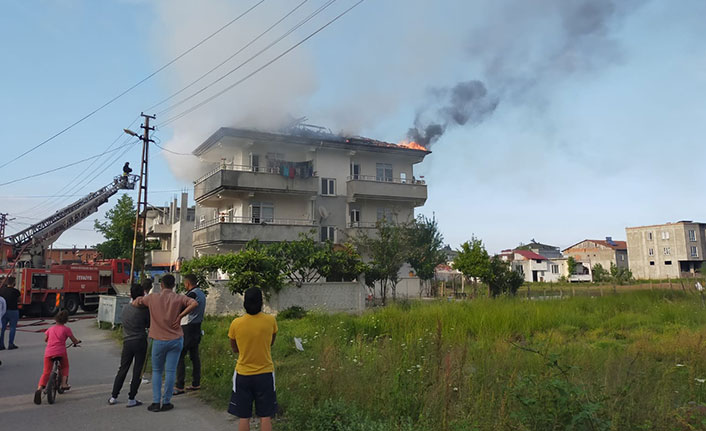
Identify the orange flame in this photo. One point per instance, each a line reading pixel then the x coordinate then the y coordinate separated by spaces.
pixel 412 145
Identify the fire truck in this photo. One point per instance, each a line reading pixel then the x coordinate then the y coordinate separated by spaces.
pixel 44 288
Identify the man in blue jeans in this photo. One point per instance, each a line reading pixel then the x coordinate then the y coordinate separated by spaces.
pixel 12 314
pixel 166 311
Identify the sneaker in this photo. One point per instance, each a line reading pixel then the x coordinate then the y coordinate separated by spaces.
pixel 11 347
pixel 166 407
pixel 112 401
pixel 134 403
pixel 178 391
pixel 154 407
pixel 38 396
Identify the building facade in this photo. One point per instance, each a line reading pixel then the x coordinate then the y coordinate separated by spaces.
pixel 670 250
pixel 591 252
pixel 173 226
pixel 274 187
pixel 534 267
pixel 56 256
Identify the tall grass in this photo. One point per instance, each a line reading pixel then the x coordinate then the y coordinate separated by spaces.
pixel 629 361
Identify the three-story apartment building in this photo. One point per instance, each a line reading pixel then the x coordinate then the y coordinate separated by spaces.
pixel 274 186
pixel 669 250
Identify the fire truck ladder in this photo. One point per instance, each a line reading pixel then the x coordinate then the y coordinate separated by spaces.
pixel 34 239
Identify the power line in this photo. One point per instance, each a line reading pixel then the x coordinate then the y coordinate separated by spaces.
pixel 230 87
pixel 60 167
pixel 257 54
pixel 70 196
pixel 170 151
pixel 151 108
pixel 90 114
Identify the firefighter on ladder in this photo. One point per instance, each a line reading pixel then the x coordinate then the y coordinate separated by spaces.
pixel 126 172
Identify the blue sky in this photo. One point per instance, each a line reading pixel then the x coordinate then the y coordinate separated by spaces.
pixel 599 122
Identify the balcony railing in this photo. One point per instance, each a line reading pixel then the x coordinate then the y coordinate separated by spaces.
pixel 276 170
pixel 362 225
pixel 385 180
pixel 254 220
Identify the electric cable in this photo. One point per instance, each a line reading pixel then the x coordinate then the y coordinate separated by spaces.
pixel 90 114
pixel 59 168
pixel 151 108
pixel 257 54
pixel 230 87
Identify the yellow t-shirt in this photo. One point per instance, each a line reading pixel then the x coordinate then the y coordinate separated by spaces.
pixel 253 333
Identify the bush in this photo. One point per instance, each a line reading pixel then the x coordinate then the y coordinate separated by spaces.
pixel 293 312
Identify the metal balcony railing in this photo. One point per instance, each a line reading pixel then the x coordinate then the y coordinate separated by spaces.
pixel 362 225
pixel 241 168
pixel 375 178
pixel 254 220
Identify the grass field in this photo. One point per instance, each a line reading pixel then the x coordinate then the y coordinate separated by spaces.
pixel 634 361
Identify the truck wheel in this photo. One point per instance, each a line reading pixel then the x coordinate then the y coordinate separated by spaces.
pixel 49 308
pixel 71 303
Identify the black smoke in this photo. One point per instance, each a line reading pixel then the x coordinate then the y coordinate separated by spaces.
pixel 466 103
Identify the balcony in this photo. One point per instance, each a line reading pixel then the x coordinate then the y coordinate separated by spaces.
pixel 235 178
pixel 159 229
pixel 239 230
pixel 397 189
pixel 159 258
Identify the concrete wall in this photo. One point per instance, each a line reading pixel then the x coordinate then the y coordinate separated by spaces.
pixel 589 253
pixel 328 297
pixel 675 237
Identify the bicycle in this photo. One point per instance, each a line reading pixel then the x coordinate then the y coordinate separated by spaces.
pixel 54 383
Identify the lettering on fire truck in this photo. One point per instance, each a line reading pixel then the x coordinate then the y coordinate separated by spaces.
pixel 84 277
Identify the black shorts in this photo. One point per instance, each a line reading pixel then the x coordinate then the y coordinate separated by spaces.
pixel 259 388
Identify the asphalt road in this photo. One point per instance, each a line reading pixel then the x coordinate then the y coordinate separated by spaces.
pixel 85 407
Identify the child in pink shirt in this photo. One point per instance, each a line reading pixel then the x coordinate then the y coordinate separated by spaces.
pixel 55 337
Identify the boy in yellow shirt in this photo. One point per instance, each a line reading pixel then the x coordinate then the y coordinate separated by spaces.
pixel 251 336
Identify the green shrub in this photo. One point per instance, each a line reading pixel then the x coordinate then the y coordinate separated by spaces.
pixel 293 312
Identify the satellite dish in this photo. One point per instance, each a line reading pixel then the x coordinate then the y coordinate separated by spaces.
pixel 323 212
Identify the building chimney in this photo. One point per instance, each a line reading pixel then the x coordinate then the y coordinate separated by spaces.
pixel 184 207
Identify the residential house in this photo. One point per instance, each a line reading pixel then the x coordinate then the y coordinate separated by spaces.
pixel 591 252
pixel 548 251
pixel 533 266
pixel 276 186
pixel 670 250
pixel 173 226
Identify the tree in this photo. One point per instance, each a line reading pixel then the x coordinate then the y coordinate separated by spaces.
pixel 423 243
pixel 571 265
pixel 341 263
pixel 600 274
pixel 303 259
pixel 500 278
pixel 473 261
pixel 118 229
pixel 387 254
pixel 618 275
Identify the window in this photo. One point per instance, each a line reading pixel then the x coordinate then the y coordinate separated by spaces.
pixel 328 186
pixel 555 269
pixel 355 217
pixel 622 257
pixel 403 177
pixel 328 233
pixel 694 251
pixel 651 251
pixel 254 162
pixel 667 262
pixel 520 269
pixel 692 235
pixel 667 251
pixel 175 239
pixel 652 262
pixel 355 171
pixel 665 234
pixel 383 172
pixel 261 212
pixel 384 213
pixel 649 236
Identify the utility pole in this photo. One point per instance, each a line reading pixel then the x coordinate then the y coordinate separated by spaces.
pixel 141 214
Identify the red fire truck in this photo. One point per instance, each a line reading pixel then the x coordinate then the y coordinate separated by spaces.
pixel 46 288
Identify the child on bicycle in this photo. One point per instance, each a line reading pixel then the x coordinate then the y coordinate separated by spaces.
pixel 55 337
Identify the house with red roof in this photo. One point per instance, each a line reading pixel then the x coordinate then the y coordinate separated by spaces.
pixel 590 252
pixel 534 266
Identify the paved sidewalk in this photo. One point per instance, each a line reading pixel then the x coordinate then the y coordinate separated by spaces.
pixel 85 407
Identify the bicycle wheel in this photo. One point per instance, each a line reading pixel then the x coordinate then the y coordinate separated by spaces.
pixel 52 387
